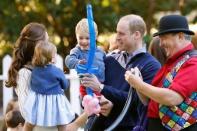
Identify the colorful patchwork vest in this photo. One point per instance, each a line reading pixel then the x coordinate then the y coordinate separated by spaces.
pixel 178 117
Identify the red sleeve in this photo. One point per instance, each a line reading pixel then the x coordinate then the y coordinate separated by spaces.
pixel 82 91
pixel 185 82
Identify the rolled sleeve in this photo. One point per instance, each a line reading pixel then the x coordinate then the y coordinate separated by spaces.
pixel 185 82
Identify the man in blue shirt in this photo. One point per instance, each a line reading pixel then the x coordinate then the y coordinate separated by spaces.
pixel 130 33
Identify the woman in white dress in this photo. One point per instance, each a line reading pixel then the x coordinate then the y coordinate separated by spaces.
pixel 19 74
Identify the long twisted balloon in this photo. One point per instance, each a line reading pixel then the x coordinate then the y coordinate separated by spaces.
pixel 88 68
pixel 92 49
pixel 92 38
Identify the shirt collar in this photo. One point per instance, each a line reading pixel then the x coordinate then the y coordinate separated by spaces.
pixel 136 52
pixel 123 57
pixel 181 52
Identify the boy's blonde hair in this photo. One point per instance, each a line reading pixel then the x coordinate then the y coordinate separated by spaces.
pixel 43 53
pixel 136 23
pixel 82 27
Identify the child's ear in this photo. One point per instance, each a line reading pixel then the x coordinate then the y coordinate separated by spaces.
pixel 54 59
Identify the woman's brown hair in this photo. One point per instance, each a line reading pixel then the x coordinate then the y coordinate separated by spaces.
pixel 24 49
pixel 157 51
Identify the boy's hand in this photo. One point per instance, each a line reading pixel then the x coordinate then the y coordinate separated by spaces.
pixel 83 61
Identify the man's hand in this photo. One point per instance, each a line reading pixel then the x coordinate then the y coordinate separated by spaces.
pixel 91 81
pixel 106 106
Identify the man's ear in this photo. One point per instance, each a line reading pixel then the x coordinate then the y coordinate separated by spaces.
pixel 137 35
pixel 181 35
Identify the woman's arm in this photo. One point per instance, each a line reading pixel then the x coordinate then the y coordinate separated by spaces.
pixel 79 122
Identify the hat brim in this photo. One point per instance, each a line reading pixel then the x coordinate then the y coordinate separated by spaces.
pixel 174 31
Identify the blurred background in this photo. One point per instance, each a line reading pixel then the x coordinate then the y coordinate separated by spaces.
pixel 61 16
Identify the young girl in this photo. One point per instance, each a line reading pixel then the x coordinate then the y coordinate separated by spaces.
pixel 46 104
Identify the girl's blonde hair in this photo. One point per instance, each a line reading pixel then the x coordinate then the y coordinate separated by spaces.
pixel 44 53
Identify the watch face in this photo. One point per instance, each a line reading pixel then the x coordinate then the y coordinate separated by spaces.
pixel 101 86
pixel 81 75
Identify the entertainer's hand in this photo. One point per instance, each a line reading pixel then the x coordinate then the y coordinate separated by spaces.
pixel 91 81
pixel 133 76
pixel 106 106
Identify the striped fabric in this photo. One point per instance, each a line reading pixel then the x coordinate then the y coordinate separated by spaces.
pixel 23 87
pixel 47 110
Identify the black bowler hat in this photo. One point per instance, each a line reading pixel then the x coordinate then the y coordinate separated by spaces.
pixel 173 24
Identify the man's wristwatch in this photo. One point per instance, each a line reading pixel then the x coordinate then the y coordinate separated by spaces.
pixel 101 87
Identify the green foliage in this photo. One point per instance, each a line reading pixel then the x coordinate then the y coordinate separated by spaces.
pixel 147 39
pixel 190 6
pixel 61 16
